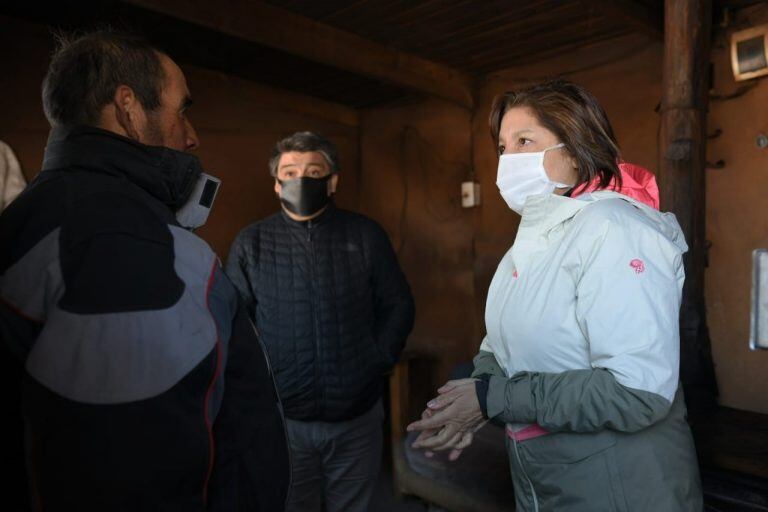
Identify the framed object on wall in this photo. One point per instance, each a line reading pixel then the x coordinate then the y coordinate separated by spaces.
pixel 749 52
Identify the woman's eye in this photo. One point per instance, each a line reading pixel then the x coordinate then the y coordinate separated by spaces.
pixel 522 141
pixel 501 150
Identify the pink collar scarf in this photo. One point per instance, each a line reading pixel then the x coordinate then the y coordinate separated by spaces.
pixel 637 182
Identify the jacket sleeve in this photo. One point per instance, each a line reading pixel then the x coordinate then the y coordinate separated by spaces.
pixel 485 364
pixel 237 271
pixel 393 302
pixel 628 298
pixel 252 467
pixel 16 332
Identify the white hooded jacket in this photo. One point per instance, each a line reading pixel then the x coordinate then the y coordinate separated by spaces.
pixel 592 282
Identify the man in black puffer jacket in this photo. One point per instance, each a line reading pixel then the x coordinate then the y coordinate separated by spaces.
pixel 334 309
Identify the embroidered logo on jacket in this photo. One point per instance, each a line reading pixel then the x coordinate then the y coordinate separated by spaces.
pixel 638 265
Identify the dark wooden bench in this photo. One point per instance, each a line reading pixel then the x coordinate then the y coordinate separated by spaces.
pixel 733 456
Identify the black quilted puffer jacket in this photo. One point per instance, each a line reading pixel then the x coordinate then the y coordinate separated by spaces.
pixel 331 304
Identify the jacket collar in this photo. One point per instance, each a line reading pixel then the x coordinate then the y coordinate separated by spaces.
pixel 541 215
pixel 164 173
pixel 545 211
pixel 544 214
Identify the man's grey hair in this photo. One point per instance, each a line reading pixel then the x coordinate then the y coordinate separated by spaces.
pixel 305 142
pixel 86 70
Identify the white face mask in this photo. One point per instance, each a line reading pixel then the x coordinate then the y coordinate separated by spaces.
pixel 521 175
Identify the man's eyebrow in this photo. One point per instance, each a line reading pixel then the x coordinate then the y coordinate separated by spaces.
pixel 318 164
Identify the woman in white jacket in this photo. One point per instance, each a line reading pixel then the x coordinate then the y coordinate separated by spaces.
pixel 581 356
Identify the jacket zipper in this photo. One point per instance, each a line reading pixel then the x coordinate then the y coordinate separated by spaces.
pixel 318 351
pixel 525 475
pixel 279 406
pixel 214 378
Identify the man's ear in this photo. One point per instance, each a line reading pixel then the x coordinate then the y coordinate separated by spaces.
pixel 333 183
pixel 278 187
pixel 128 111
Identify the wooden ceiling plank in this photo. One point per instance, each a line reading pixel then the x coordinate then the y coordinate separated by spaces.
pixel 342 11
pixel 494 65
pixel 492 62
pixel 639 16
pixel 521 28
pixel 278 28
pixel 421 12
pixel 529 39
pixel 445 31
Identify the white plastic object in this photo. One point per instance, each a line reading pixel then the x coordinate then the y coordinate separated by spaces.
pixel 758 335
pixel 470 194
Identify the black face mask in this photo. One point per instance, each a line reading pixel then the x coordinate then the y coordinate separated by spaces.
pixel 305 196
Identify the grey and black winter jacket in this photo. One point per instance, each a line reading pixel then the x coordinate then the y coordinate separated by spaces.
pixel 330 303
pixel 140 380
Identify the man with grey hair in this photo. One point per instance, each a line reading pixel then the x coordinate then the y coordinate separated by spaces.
pixel 334 309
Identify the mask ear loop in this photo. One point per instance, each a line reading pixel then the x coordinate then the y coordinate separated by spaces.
pixel 555 183
pixel 556 146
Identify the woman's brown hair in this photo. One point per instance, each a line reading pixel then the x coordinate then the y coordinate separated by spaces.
pixel 574 115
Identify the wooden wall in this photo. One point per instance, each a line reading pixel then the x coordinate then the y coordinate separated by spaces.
pixel 403 165
pixel 414 158
pixel 737 222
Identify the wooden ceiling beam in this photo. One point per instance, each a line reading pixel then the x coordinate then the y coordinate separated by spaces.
pixel 298 35
pixel 632 13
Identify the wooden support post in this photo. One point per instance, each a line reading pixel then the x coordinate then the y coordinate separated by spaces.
pixel 682 158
